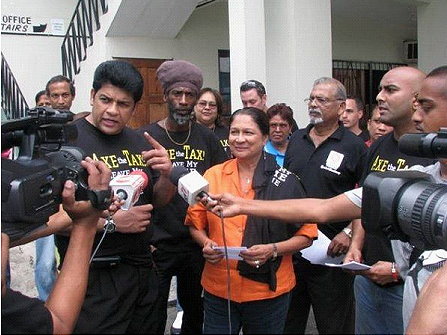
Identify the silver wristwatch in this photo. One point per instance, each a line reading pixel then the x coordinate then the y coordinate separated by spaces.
pixel 347 231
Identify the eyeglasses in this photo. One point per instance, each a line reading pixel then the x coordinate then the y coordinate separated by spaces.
pixel 210 104
pixel 280 125
pixel 320 100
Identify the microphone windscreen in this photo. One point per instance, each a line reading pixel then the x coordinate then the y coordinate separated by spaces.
pixel 142 174
pixel 177 172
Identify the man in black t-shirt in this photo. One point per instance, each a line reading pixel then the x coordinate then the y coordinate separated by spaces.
pixel 329 159
pixel 195 147
pixel 378 291
pixel 122 283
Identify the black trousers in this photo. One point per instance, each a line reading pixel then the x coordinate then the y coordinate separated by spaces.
pixel 188 267
pixel 330 293
pixel 120 300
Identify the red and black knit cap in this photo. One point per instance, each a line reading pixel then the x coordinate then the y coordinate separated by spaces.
pixel 179 73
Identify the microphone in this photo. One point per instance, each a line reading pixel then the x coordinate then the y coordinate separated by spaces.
pixel 431 145
pixel 190 185
pixel 129 187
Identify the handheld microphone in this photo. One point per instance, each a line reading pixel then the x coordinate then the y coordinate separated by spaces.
pixel 431 145
pixel 190 185
pixel 129 187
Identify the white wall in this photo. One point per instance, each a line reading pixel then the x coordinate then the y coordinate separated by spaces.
pixel 368 38
pixel 203 34
pixel 34 59
pixel 432 35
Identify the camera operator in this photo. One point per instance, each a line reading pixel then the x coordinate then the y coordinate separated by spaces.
pixel 22 314
pixel 429 116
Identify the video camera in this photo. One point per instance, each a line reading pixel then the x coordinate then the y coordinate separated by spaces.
pixel 408 205
pixel 32 184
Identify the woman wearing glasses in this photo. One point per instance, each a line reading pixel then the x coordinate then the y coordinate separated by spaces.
pixel 261 280
pixel 280 122
pixel 208 112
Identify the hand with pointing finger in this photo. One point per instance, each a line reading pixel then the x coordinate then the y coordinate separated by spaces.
pixel 157 158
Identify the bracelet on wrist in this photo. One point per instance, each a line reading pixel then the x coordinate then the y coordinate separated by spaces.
pixel 394 273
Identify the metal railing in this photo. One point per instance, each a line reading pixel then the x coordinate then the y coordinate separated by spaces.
pixel 14 105
pixel 361 78
pixel 79 37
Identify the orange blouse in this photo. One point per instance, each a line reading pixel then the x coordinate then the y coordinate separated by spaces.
pixel 225 178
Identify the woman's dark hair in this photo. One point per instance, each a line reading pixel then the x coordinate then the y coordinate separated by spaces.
pixel 120 74
pixel 257 115
pixel 219 102
pixel 283 111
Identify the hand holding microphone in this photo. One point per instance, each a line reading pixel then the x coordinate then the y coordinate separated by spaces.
pixel 128 188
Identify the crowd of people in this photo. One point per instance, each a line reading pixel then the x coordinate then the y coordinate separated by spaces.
pixel 274 189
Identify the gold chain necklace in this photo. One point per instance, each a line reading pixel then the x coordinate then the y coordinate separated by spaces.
pixel 172 140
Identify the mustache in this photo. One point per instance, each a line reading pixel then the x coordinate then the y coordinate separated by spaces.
pixel 314 111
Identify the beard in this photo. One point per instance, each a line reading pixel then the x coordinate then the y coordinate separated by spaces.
pixel 180 118
pixel 316 117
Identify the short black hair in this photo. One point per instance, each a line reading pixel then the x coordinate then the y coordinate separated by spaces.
pixel 358 102
pixel 257 115
pixel 249 84
pixel 284 111
pixel 39 94
pixel 60 79
pixel 120 74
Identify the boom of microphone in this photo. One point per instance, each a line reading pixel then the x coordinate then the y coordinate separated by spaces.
pixel 190 185
pixel 129 187
pixel 431 145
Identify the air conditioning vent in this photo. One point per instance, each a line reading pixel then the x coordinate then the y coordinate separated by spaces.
pixel 410 51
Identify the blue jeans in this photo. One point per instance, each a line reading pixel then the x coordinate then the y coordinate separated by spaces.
pixel 378 309
pixel 254 317
pixel 45 271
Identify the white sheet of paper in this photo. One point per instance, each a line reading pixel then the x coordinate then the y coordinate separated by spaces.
pixel 350 266
pixel 317 252
pixel 233 252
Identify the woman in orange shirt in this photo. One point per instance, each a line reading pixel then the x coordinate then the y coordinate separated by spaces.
pixel 260 283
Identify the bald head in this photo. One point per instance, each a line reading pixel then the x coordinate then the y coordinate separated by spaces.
pixel 395 98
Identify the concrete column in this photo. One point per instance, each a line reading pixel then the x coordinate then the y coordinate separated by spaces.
pixel 299 50
pixel 285 44
pixel 432 35
pixel 247 44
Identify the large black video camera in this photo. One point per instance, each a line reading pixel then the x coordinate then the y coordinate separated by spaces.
pixel 32 184
pixel 408 205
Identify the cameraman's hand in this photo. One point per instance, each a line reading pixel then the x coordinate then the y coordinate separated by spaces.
pixel 339 245
pixel 99 179
pixel 135 220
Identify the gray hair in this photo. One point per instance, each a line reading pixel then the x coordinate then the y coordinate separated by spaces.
pixel 340 92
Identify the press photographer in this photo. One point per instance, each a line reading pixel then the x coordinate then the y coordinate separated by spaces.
pixel 22 314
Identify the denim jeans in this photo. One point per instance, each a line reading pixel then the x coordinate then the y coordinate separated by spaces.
pixel 254 317
pixel 378 309
pixel 45 271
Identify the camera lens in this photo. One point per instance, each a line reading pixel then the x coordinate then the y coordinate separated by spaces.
pixel 422 214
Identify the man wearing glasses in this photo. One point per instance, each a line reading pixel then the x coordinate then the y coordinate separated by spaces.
pixel 329 159
pixel 253 94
